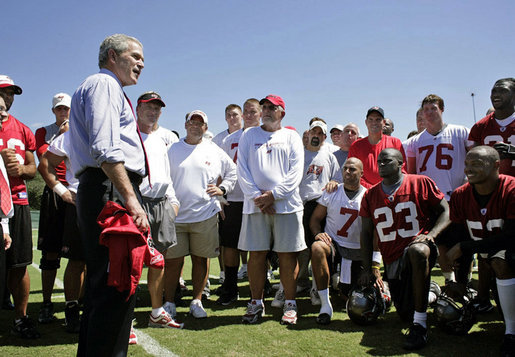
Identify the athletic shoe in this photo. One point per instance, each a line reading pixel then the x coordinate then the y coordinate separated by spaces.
pixel 46 313
pixel 206 294
pixel 482 306
pixel 416 338
pixel 197 310
pixel 163 321
pixel 242 273
pixel 435 288
pixel 133 338
pixel 254 313
pixel 227 298
pixel 25 328
pixel 315 298
pixel 171 309
pixel 508 346
pixel 289 314
pixel 72 317
pixel 278 299
pixel 324 319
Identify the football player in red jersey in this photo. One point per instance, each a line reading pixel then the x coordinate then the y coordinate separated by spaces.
pixel 483 213
pixel 497 129
pixel 407 212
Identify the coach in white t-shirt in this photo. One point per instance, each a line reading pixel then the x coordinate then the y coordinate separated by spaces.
pixel 270 164
pixel 195 166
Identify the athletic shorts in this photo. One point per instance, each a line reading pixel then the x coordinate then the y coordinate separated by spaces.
pixel 282 233
pixel 72 244
pixel 309 208
pixel 161 217
pixel 20 226
pixel 230 227
pixel 51 222
pixel 398 276
pixel 198 238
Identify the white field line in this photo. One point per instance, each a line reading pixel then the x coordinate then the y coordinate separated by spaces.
pixel 57 282
pixel 152 346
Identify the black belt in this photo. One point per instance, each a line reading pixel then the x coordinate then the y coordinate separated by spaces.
pixel 97 174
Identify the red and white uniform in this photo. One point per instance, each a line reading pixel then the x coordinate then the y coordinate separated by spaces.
pixel 487 221
pixel 368 153
pixel 400 217
pixel 44 137
pixel 343 223
pixel 16 135
pixel 442 156
pixel 230 146
pixel 489 131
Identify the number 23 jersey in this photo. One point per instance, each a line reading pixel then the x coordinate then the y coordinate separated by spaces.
pixel 400 217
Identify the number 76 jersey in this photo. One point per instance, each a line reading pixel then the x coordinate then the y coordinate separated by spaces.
pixel 400 217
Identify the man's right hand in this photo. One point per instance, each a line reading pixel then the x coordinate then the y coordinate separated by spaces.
pixel 138 214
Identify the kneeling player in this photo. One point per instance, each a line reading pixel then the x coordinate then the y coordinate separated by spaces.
pixel 341 234
pixel 407 212
pixel 484 212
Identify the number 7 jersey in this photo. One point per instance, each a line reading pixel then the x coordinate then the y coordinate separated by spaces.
pixel 400 217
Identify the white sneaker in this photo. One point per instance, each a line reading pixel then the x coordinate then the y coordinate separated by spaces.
pixel 278 299
pixel 171 309
pixel 289 314
pixel 242 273
pixel 197 310
pixel 315 298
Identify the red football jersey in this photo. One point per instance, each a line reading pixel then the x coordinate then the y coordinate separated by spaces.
pixel 488 132
pixel 400 217
pixel 42 143
pixel 16 135
pixel 483 222
pixel 368 153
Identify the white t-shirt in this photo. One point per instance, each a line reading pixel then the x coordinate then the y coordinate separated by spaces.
pixel 343 223
pixel 230 146
pixel 157 144
pixel 271 161
pixel 441 157
pixel 319 168
pixel 192 168
pixel 61 146
pixel 219 138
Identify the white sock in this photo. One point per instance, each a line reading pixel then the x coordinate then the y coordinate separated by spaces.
pixel 326 307
pixel 157 312
pixel 448 275
pixel 244 266
pixel 258 301
pixel 420 318
pixel 286 302
pixel 506 290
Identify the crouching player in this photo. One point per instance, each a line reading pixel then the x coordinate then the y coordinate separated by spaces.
pixel 340 208
pixel 407 212
pixel 483 213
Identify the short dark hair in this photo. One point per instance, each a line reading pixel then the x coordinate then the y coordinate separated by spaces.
pixel 510 82
pixel 433 98
pixel 233 106
pixel 316 119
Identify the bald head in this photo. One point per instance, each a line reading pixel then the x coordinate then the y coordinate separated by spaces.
pixel 486 153
pixel 394 153
pixel 352 171
pixel 355 161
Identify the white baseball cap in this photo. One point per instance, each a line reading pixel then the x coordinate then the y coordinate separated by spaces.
pixel 61 99
pixel 200 113
pixel 320 124
pixel 6 81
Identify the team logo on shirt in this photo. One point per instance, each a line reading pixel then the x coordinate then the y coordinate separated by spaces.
pixel 503 129
pixel 207 163
pixel 483 211
pixel 316 170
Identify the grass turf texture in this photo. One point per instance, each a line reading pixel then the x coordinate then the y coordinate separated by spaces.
pixel 222 333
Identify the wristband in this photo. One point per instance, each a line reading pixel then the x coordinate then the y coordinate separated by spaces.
pixel 60 189
pixel 375 267
pixel 376 257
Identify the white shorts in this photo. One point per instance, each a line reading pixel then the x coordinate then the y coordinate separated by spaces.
pixel 283 233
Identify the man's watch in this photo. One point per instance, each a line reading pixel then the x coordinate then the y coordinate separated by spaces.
pixel 224 191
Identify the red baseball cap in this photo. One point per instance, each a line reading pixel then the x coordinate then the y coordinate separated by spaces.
pixel 274 99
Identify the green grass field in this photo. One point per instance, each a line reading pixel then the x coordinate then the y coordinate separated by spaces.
pixel 223 334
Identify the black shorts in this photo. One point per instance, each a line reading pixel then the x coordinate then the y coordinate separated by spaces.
pixel 20 227
pixel 309 207
pixel 72 244
pixel 398 276
pixel 230 227
pixel 449 237
pixel 51 222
